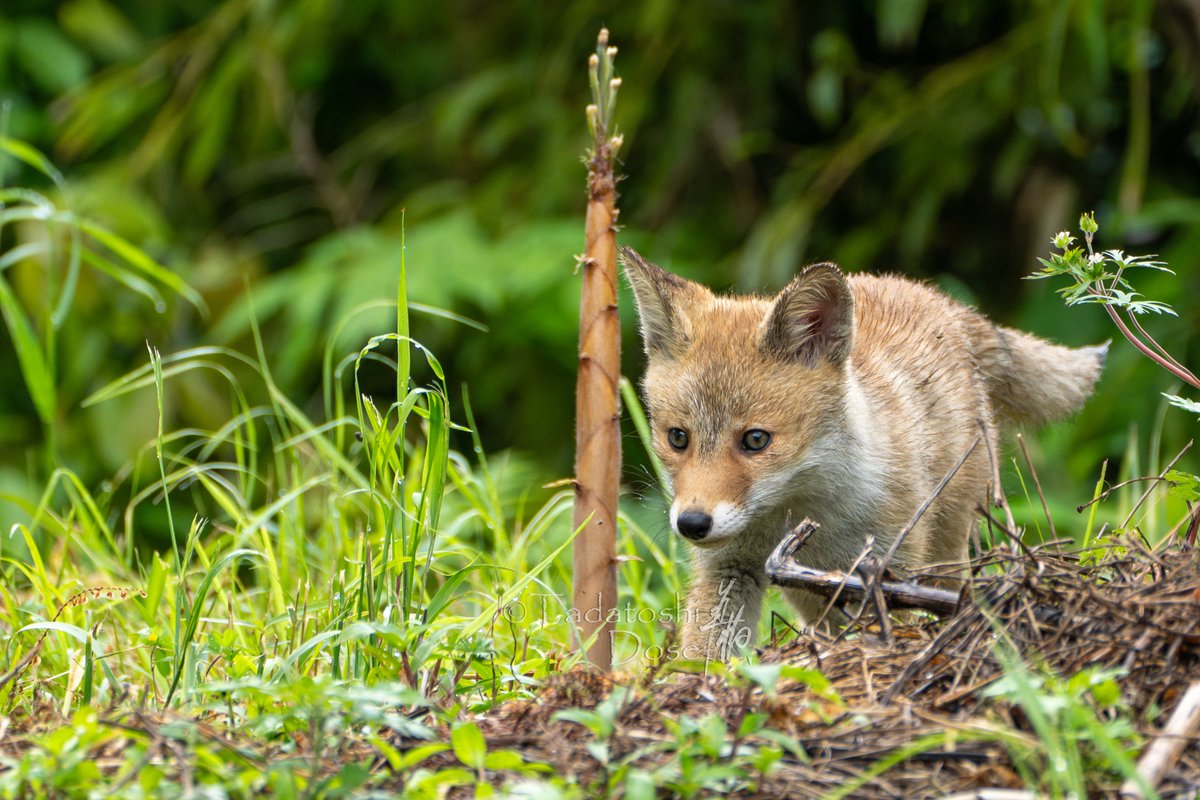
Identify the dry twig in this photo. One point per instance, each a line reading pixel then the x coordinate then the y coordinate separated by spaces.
pixel 1163 753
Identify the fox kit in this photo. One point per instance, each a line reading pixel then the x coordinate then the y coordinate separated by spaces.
pixel 842 399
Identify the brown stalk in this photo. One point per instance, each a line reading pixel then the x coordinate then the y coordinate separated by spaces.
pixel 998 499
pixel 1168 364
pixel 1037 484
pixel 1162 476
pixel 597 409
pixel 886 561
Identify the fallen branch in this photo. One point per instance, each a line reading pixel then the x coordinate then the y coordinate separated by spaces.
pixel 783 571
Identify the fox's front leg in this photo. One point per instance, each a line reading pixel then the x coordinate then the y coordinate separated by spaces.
pixel 722 612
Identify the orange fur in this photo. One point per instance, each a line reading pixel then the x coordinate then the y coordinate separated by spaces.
pixel 870 389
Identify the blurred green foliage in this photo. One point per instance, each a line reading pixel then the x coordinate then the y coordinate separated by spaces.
pixel 265 149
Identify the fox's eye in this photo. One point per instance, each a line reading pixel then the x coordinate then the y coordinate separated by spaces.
pixel 755 439
pixel 678 438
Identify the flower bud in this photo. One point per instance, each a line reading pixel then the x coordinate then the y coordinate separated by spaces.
pixel 1087 223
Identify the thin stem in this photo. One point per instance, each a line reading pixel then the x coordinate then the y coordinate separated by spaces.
pixel 1183 374
pixel 1115 281
pixel 1157 346
pixel 1161 357
pixel 1037 484
pixel 1149 489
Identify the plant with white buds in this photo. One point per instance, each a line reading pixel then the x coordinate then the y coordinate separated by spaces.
pixel 1101 277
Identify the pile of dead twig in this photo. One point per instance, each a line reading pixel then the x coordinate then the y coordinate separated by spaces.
pixel 917 719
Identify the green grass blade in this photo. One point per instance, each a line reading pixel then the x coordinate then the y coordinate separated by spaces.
pixel 171 365
pixel 74 631
pixel 71 281
pixel 193 618
pixel 485 617
pixel 139 260
pixel 156 363
pixel 636 413
pixel 22 252
pixel 1091 520
pixel 32 156
pixel 403 356
pixel 130 280
pixel 34 365
pixel 445 592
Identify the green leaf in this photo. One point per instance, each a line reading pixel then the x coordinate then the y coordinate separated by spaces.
pixel 504 759
pixel 31 156
pixel 640 785
pixel 813 679
pixel 1184 485
pixel 137 258
pixel 34 367
pixel 418 754
pixel 712 734
pixel 599 751
pixel 62 627
pixel 454 776
pixel 765 676
pixel 825 95
pixel 102 28
pixel 49 58
pixel 1182 402
pixel 1107 692
pixel 216 108
pixel 593 721
pixel 899 21
pixel 469 745
pixel 752 723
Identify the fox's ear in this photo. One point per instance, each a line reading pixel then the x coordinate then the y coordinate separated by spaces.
pixel 661 298
pixel 812 319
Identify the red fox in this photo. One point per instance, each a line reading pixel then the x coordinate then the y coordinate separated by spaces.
pixel 842 399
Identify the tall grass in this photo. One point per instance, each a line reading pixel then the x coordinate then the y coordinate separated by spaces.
pixel 361 546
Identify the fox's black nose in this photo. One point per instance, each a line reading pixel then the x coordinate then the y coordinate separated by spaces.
pixel 695 525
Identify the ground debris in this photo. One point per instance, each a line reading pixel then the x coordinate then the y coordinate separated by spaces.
pixel 919 700
pixel 907 711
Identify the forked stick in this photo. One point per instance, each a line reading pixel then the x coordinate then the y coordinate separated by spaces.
pixel 783 571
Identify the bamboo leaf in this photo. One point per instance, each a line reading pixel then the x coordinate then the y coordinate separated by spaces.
pixel 34 367
pixel 31 156
pixel 138 259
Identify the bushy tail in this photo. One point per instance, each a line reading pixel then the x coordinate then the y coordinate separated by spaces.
pixel 1032 381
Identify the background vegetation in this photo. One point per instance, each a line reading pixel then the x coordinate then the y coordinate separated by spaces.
pixel 271 146
pixel 249 170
